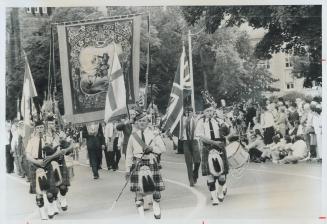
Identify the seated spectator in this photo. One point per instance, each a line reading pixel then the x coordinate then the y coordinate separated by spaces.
pixel 298 151
pixel 281 150
pixel 271 151
pixel 257 125
pixel 295 129
pixel 255 146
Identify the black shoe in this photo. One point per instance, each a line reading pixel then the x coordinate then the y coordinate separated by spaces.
pixel 195 180
pixel 96 177
pixel 157 216
pixel 64 208
pixel 263 159
pixel 258 160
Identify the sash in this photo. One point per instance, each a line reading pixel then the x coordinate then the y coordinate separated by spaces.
pixel 139 140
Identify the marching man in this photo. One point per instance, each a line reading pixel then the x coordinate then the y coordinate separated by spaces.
pixel 142 165
pixel 214 159
pixel 191 147
pixel 46 176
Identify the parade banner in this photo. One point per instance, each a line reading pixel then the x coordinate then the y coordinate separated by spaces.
pixel 86 56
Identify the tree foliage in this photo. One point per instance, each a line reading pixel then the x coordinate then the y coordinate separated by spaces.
pixel 224 57
pixel 295 28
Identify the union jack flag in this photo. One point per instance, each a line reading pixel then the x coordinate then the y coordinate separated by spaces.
pixel 182 85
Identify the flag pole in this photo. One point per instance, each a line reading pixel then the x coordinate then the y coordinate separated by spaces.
pixel 18 113
pixel 181 78
pixel 191 68
pixel 148 65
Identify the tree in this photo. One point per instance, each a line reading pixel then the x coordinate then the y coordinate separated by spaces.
pixel 226 57
pixel 295 28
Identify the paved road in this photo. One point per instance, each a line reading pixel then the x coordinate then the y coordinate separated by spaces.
pixel 265 191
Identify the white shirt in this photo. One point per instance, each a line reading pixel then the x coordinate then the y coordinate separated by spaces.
pixel 300 149
pixel 134 149
pixel 32 148
pixel 267 120
pixel 203 128
pixel 257 143
pixel 192 127
pixel 110 131
pixel 316 123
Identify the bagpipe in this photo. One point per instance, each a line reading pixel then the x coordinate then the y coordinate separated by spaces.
pixel 222 112
pixel 236 154
pixel 49 171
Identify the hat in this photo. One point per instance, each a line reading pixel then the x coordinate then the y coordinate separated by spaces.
pixel 38 123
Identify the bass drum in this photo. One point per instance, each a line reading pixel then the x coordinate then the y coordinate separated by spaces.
pixel 236 155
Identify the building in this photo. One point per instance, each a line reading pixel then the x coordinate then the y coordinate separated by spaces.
pixel 281 66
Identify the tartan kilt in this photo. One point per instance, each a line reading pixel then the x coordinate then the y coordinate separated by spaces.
pixel 64 173
pixel 50 179
pixel 156 175
pixel 205 164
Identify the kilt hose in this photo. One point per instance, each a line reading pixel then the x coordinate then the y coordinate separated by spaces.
pixel 156 175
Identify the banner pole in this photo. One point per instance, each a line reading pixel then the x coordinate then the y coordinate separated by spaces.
pixel 148 66
pixel 191 68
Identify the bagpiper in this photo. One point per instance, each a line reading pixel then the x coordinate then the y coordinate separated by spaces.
pixel 47 169
pixel 214 159
pixel 142 166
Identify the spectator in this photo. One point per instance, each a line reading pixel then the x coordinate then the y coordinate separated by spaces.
pixel 255 147
pixel 267 123
pixel 271 151
pixel 295 129
pixel 316 121
pixel 257 125
pixel 298 151
pixel 9 156
pixel 281 122
pixel 293 114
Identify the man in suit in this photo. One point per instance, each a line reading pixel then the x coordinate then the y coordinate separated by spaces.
pixel 191 147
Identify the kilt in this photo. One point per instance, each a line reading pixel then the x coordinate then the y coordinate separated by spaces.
pixel 50 176
pixel 64 173
pixel 205 164
pixel 50 179
pixel 154 168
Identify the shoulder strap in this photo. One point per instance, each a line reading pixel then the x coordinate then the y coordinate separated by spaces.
pixel 139 140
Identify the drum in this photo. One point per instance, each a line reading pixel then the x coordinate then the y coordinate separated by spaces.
pixel 236 155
